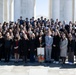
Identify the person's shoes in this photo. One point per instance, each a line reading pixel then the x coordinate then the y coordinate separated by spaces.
pixel 5 61
pixel 63 63
pixel 16 62
pixel 25 61
pixel 54 62
pixel 57 62
pixel 50 61
pixel 0 61
pixel 46 61
pixel 70 63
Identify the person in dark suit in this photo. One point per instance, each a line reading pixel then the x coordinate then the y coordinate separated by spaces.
pixel 7 45
pixel 1 46
pixel 24 47
pixel 71 47
pixel 75 46
pixel 21 21
pixel 42 20
pixel 37 40
pixel 67 27
pixel 27 23
pixel 41 39
pixel 32 47
pixel 56 47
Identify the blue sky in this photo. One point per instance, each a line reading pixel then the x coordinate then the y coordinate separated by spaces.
pixel 42 8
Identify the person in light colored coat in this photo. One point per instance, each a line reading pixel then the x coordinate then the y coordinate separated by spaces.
pixel 63 47
pixel 48 43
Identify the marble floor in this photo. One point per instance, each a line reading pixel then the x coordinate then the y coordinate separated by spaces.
pixel 21 68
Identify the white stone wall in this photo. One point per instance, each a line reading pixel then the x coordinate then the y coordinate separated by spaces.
pixel 12 10
pixel 50 9
pixel 68 10
pixel 56 9
pixel 17 9
pixel 62 10
pixel 1 11
pixel 24 8
pixel 5 10
pixel 27 8
pixel 74 10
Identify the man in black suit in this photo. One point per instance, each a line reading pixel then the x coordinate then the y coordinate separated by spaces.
pixel 21 21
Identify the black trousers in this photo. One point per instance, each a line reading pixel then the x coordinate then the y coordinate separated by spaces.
pixel 56 54
pixel 25 55
pixel 32 54
pixel 71 56
pixel 7 54
pixel 56 58
pixel 1 51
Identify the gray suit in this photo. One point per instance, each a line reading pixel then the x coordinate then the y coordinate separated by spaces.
pixel 48 43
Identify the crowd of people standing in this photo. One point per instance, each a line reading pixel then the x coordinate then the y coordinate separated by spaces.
pixel 22 38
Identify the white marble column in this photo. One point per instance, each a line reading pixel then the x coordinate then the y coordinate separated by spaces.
pixel 8 10
pixel 50 9
pixel 24 8
pixel 12 10
pixel 56 9
pixel 68 10
pixel 27 8
pixel 62 2
pixel 34 9
pixel 4 10
pixel 1 11
pixel 74 10
pixel 17 9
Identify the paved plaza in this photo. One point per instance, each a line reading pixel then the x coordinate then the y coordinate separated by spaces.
pixel 21 68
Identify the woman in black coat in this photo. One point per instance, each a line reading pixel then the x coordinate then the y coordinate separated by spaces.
pixel 24 47
pixel 7 46
pixel 40 40
pixel 37 42
pixel 56 47
pixel 71 47
pixel 1 46
pixel 32 47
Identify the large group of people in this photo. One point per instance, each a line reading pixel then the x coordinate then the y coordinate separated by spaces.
pixel 22 38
